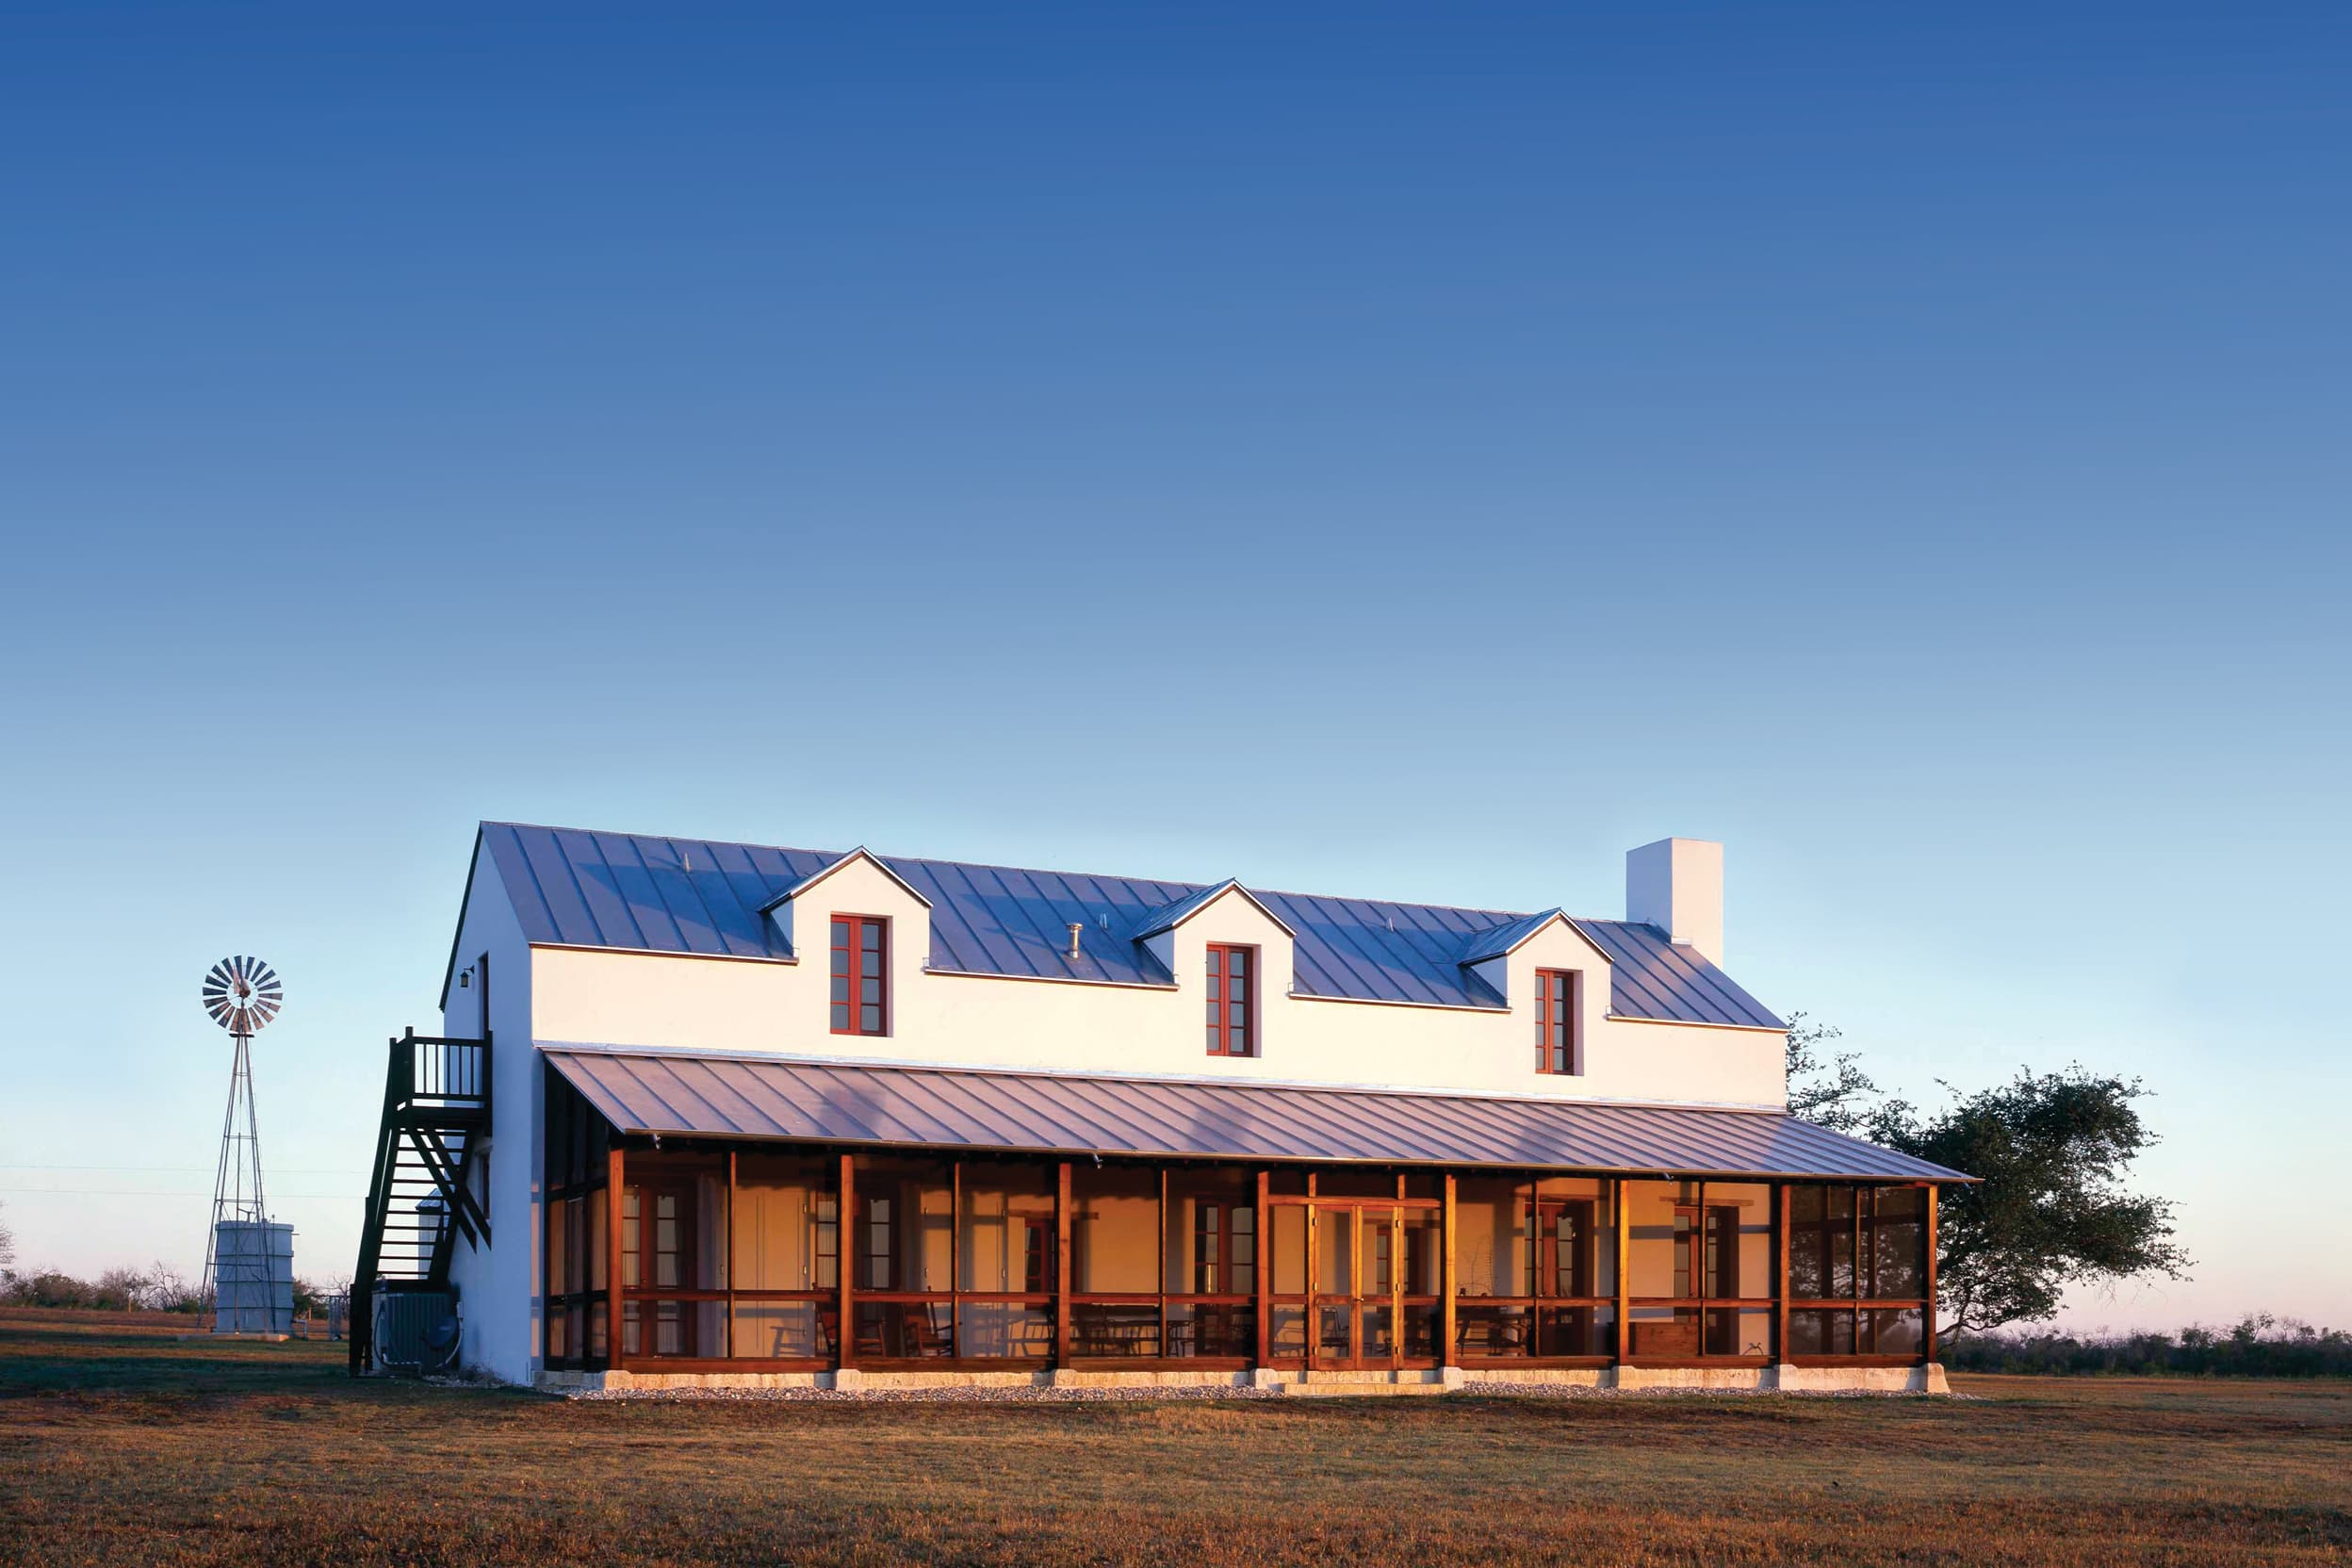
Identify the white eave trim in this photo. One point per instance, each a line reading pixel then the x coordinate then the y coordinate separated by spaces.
pixel 665 952
pixel 1700 1023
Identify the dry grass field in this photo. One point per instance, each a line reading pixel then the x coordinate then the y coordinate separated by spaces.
pixel 120 1445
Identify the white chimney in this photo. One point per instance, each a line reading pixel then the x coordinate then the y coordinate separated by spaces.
pixel 1677 884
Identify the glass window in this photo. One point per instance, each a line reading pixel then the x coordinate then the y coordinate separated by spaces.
pixel 1555 1022
pixel 860 975
pixel 1232 1001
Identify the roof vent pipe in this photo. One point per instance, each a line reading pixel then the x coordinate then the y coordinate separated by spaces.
pixel 1075 928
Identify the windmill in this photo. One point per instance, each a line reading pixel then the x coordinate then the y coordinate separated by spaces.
pixel 249 1262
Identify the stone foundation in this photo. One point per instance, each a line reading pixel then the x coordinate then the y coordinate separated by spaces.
pixel 1697 1380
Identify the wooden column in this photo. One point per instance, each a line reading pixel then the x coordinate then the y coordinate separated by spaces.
pixel 1061 1265
pixel 1780 1269
pixel 1445 1280
pixel 1927 1340
pixel 1261 1279
pixel 956 1257
pixel 1625 1275
pixel 731 1254
pixel 845 1262
pixel 1159 1267
pixel 611 1284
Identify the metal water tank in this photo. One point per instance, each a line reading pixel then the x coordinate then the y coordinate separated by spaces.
pixel 252 1277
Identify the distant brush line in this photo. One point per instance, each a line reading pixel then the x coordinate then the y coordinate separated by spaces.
pixel 174 1192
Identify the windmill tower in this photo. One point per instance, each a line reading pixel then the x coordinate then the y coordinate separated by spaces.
pixel 249 1261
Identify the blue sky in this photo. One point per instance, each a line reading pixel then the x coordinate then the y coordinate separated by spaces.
pixel 1419 451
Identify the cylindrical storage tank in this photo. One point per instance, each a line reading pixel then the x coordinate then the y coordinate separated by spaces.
pixel 252 1273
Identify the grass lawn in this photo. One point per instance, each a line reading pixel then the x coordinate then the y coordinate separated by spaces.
pixel 120 1445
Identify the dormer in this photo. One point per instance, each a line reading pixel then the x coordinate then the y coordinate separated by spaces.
pixel 1544 967
pixel 867 880
pixel 1224 940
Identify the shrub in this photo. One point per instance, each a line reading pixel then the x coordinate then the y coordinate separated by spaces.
pixel 2259 1345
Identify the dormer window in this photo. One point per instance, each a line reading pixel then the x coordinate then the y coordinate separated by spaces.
pixel 1233 1001
pixel 861 947
pixel 1555 1042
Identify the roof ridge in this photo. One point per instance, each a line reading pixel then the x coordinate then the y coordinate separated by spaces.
pixel 1190 887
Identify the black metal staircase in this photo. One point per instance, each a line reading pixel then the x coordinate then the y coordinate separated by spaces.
pixel 437 1108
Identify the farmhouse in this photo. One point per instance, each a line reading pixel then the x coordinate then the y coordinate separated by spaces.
pixel 726 1114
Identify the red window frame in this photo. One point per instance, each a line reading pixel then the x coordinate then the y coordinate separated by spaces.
pixel 854 992
pixel 1556 1023
pixel 1233 1018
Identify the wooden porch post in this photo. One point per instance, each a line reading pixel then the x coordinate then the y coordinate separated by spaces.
pixel 845 1263
pixel 731 1254
pixel 1780 1267
pixel 954 1258
pixel 613 1191
pixel 1261 1281
pixel 1445 1280
pixel 1927 1340
pixel 1061 1265
pixel 1625 1270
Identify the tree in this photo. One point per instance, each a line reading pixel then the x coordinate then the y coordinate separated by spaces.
pixel 2051 1209
pixel 1830 1091
pixel 7 1245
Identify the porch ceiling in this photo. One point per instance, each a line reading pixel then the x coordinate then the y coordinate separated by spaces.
pixel 1006 1112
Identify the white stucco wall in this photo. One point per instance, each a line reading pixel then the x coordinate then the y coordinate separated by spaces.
pixel 497 1287
pixel 600 997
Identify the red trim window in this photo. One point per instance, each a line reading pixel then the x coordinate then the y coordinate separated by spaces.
pixel 861 952
pixel 1555 1022
pixel 1233 1001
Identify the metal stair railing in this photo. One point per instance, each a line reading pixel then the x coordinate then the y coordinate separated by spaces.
pixel 436 1103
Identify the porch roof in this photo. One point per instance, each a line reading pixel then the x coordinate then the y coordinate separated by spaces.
pixel 996 1111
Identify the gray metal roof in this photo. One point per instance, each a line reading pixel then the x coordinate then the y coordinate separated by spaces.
pixel 951 1108
pixel 691 895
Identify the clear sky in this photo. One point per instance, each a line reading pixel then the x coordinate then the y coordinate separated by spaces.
pixel 1408 450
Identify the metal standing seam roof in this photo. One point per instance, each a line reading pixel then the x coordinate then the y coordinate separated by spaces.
pixel 576 889
pixel 953 1108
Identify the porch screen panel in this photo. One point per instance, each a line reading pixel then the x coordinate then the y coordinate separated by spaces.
pixel 1494 1260
pixel 902 1251
pixel 1573 1267
pixel 1857 1270
pixel 1114 1260
pixel 786 1256
pixel 1208 1271
pixel 1005 1261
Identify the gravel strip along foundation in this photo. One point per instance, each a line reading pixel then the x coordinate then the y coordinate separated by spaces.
pixel 922 1395
pixel 1109 1395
